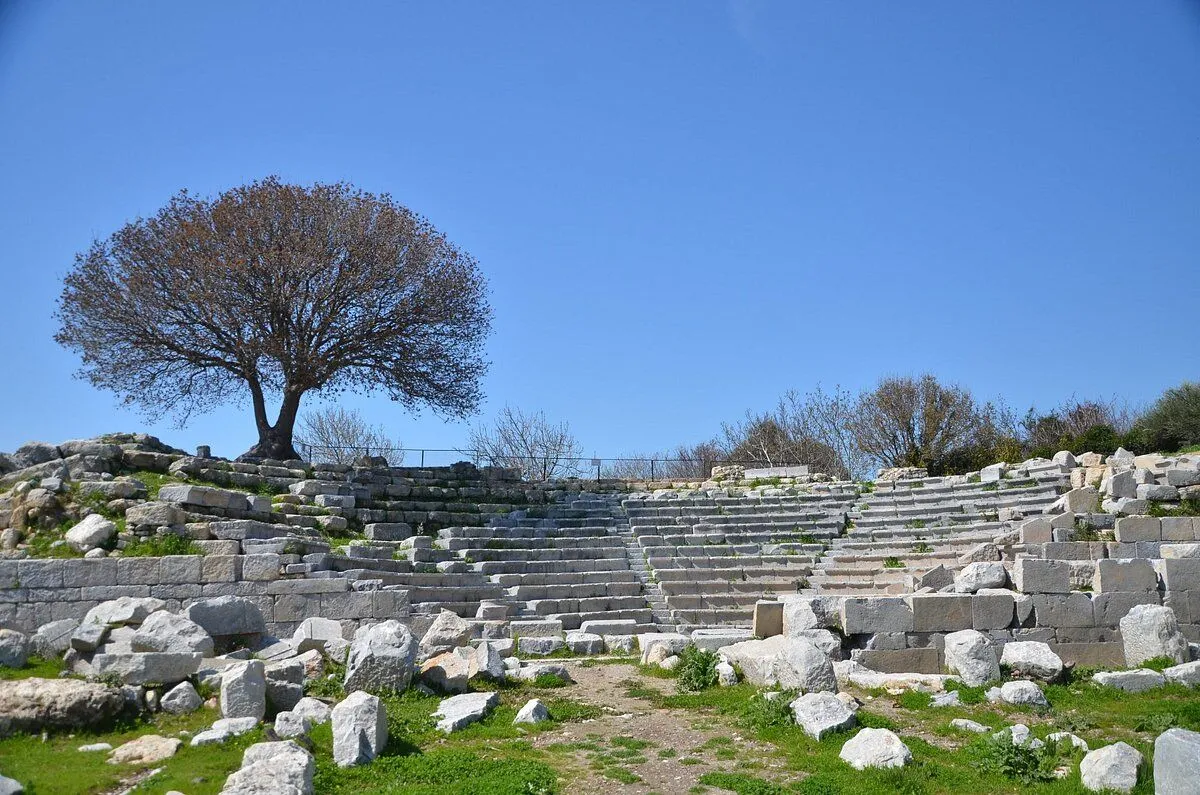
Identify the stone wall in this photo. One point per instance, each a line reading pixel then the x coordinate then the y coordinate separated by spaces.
pixel 35 592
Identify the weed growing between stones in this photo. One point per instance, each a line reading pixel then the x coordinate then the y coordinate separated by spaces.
pixel 697 669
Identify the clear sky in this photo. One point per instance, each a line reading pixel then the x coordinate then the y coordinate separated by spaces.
pixel 683 208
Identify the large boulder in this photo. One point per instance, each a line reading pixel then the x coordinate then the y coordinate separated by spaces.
pixel 1150 631
pixel 780 661
pixel 14 648
pixel 1033 659
pixel 1113 768
pixel 244 691
pixel 821 713
pixel 972 655
pixel 1177 762
pixel 382 657
pixel 90 532
pixel 275 768
pixel 52 639
pixel 124 610
pixel 33 705
pixel 875 748
pixel 448 672
pixel 226 615
pixel 447 632
pixel 167 632
pixel 360 730
pixel 976 576
pixel 181 699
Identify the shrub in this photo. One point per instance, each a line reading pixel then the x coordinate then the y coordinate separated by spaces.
pixel 762 713
pixel 1018 762
pixel 1173 422
pixel 893 563
pixel 697 669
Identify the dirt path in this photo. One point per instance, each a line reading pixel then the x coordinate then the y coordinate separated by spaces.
pixel 679 746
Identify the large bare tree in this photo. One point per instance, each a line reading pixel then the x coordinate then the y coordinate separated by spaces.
pixel 528 442
pixel 273 291
pixel 907 421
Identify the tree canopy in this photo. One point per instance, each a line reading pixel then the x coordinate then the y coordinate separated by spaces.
pixel 272 291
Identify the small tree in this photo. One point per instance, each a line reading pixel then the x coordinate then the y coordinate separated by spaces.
pixel 336 436
pixel 908 421
pixel 275 291
pixel 1173 422
pixel 528 442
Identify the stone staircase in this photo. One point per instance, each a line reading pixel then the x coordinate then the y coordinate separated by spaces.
pixel 714 555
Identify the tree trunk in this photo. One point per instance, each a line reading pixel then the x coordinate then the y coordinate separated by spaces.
pixel 274 441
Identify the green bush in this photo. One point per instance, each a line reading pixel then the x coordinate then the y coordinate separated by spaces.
pixel 1173 422
pixel 1018 762
pixel 697 669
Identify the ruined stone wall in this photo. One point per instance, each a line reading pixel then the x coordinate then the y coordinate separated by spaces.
pixel 34 592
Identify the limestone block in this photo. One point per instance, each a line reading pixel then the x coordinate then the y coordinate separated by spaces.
pixel 783 662
pixel 1032 575
pixel 992 611
pixel 1063 610
pixel 1124 575
pixel 1032 659
pixel 315 710
pixel 1138 528
pixel 1111 768
pixel 1082 500
pixel 972 655
pixel 1035 531
pixel 534 711
pixel 1109 608
pixel 1150 631
pixel 154 668
pixel 819 714
pixel 360 730
pixel 873 614
pixel 227 615
pixel 876 748
pixel 585 643
pixel 1181 574
pixel 1179 528
pixel 91 531
pixel 768 618
pixel 382 658
pixel 457 712
pixel 979 575
pixel 167 632
pixel 1187 673
pixel 941 612
pixel 811 612
pixel 181 699
pixel 244 691
pixel 1120 484
pixel 1023 693
pixel 1176 762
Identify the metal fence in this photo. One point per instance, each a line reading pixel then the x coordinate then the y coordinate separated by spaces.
pixel 534 466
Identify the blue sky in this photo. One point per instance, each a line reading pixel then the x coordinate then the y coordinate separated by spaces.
pixel 683 208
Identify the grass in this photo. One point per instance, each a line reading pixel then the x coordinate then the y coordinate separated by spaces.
pixel 161 545
pixel 55 766
pixel 34 667
pixel 1185 508
pixel 893 563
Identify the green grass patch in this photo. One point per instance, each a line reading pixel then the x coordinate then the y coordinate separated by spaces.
pixel 34 667
pixel 158 546
pixel 740 783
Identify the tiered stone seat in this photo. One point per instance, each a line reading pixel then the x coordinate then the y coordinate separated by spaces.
pixel 713 557
pixel 906 528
